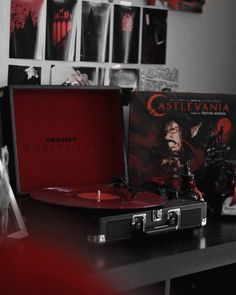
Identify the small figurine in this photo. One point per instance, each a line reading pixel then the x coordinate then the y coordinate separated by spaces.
pixel 227 192
pixel 188 187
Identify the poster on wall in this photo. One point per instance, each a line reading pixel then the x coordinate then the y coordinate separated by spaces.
pixel 18 75
pixel 185 5
pixel 126 34
pixel 154 36
pixel 73 76
pixel 61 29
pixel 159 78
pixel 27 25
pixel 124 78
pixel 95 31
pixel 182 5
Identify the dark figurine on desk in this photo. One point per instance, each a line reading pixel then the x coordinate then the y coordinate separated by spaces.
pixel 188 186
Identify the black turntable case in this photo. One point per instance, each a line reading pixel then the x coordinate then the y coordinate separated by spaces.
pixel 73 137
pixel 175 215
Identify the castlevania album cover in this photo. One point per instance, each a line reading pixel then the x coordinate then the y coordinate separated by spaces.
pixel 24 28
pixel 167 129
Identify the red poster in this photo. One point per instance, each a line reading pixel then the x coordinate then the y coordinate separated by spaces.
pixel 61 26
pixel 185 5
pixel 24 28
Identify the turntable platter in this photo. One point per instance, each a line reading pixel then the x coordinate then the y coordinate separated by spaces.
pixel 104 198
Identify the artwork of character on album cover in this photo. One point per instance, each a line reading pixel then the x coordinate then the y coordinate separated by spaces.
pixel 167 129
pixel 24 28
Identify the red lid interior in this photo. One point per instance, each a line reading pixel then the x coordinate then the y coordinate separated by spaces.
pixel 67 137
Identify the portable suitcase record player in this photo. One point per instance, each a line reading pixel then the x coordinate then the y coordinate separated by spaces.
pixel 174 215
pixel 68 146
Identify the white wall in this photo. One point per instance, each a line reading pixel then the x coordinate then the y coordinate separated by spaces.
pixel 201 46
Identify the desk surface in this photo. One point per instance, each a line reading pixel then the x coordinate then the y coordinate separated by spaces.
pixel 135 262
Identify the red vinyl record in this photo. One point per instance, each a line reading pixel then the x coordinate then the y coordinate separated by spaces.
pixel 103 197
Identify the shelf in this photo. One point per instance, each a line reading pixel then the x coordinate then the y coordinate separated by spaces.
pixel 137 262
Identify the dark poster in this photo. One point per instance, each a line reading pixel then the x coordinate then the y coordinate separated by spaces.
pixel 126 34
pixel 18 75
pixel 60 35
pixel 154 36
pixel 95 31
pixel 24 28
pixel 167 129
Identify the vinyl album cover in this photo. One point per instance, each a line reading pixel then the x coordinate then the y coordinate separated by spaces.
pixel 154 36
pixel 18 75
pixel 167 129
pixel 95 31
pixel 61 29
pixel 126 34
pixel 25 28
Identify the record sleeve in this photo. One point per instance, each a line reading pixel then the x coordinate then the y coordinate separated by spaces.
pixel 167 129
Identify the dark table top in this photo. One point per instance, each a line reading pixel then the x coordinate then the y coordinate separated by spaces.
pixel 134 262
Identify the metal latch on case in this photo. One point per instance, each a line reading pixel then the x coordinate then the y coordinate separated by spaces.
pixel 173 217
pixel 157 215
pixel 139 222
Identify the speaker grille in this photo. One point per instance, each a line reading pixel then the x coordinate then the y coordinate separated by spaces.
pixel 119 229
pixel 191 218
